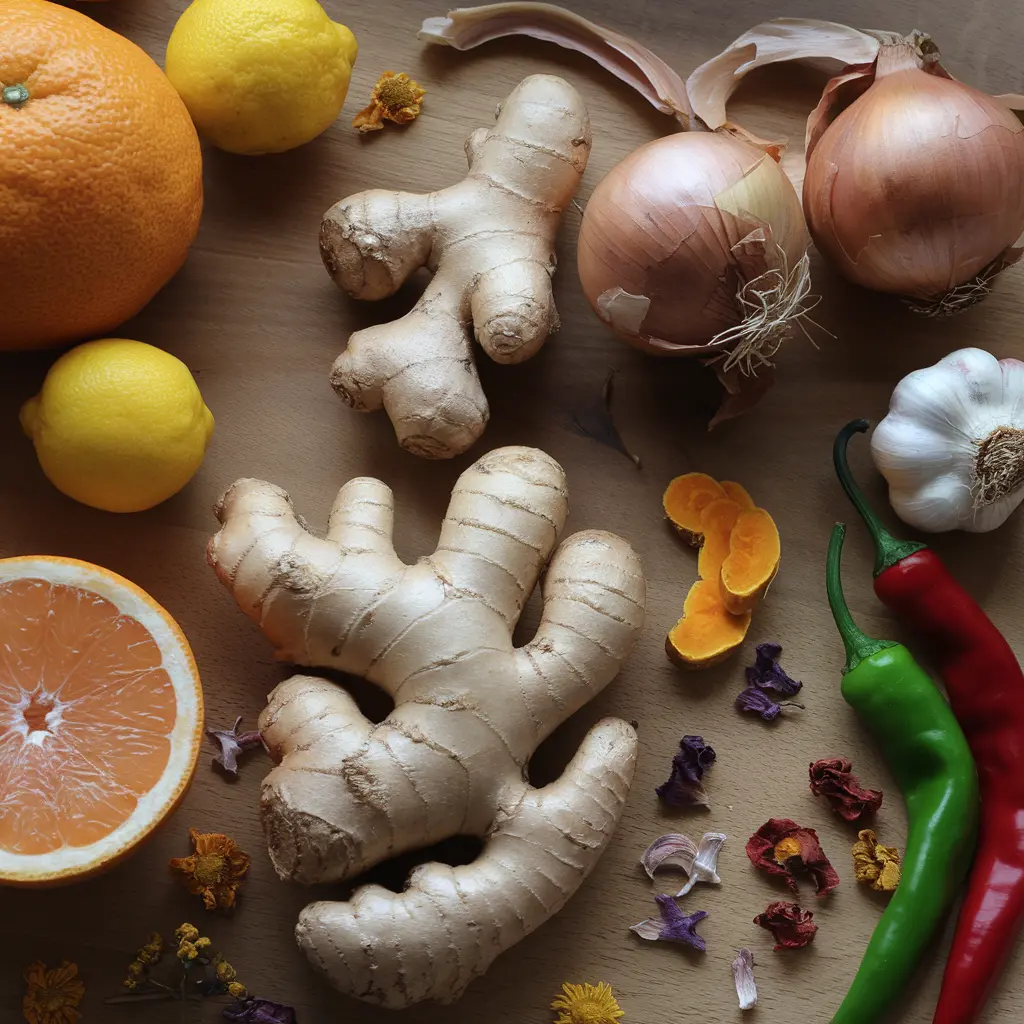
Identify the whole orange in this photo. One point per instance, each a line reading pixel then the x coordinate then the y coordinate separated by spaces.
pixel 100 177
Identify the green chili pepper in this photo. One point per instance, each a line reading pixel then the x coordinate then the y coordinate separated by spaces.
pixel 928 756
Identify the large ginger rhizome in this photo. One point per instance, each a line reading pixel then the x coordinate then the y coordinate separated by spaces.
pixel 469 711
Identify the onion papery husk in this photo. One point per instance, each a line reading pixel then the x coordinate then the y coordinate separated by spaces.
pixel 673 260
pixel 936 269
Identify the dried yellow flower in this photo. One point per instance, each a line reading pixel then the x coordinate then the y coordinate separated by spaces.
pixel 237 990
pixel 215 871
pixel 394 98
pixel 587 1004
pixel 52 995
pixel 186 932
pixel 874 864
pixel 225 972
pixel 187 951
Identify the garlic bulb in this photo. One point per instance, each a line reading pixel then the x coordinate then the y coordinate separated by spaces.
pixel 952 444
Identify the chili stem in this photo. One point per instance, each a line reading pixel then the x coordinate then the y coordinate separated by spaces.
pixel 888 549
pixel 858 644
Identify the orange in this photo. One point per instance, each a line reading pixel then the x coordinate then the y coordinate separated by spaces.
pixel 100 177
pixel 101 714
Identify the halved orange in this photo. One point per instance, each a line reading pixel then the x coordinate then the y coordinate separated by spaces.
pixel 101 718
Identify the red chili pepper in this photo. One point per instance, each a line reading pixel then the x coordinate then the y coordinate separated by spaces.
pixel 986 690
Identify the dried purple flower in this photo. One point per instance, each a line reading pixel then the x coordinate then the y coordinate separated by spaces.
pixel 833 779
pixel 767 674
pixel 705 864
pixel 672 850
pixel 684 787
pixel 760 703
pixel 743 975
pixel 674 926
pixel 233 743
pixel 260 1011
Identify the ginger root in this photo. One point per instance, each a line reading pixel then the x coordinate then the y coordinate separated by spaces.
pixel 470 709
pixel 490 241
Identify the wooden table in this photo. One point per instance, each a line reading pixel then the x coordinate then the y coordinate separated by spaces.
pixel 259 322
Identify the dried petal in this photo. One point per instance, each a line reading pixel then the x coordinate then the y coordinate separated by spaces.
pixel 705 864
pixel 832 778
pixel 395 97
pixel 767 674
pixel 710 86
pixel 759 703
pixel 214 871
pixel 260 1011
pixel 232 744
pixel 743 975
pixel 672 850
pixel 625 58
pixel 683 787
pixel 780 847
pixel 792 927
pixel 874 864
pixel 674 926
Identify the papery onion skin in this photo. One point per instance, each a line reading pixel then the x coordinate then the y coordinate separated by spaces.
pixel 917 186
pixel 653 230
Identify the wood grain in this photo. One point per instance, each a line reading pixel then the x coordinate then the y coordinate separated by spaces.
pixel 259 322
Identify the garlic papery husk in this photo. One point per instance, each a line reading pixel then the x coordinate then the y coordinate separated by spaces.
pixel 952 445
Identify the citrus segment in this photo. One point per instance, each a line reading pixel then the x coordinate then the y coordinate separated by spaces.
pixel 100 718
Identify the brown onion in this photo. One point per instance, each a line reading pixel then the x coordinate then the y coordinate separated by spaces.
pixel 679 239
pixel 917 186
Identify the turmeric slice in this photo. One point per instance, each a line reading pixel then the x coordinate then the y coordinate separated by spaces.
pixel 716 524
pixel 752 561
pixel 685 499
pixel 739 494
pixel 707 633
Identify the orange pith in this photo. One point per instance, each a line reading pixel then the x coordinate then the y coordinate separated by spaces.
pixel 89 720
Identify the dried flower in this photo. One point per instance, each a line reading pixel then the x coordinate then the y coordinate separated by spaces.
pixel 874 864
pixel 832 778
pixel 394 98
pixel 587 1004
pixel 233 744
pixel 260 1011
pixel 780 846
pixel 216 869
pixel 186 932
pixel 672 850
pixel 759 702
pixel 225 972
pixel 237 989
pixel 705 864
pixel 674 926
pixel 187 951
pixel 743 975
pixel 792 927
pixel 684 787
pixel 152 951
pixel 767 674
pixel 52 995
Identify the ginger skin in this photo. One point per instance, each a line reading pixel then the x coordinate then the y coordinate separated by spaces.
pixel 490 241
pixel 470 709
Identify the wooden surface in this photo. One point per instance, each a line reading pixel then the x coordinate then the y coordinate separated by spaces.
pixel 259 322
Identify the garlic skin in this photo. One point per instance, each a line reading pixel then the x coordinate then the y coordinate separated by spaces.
pixel 952 445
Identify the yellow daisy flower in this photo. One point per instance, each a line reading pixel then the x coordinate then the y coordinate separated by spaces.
pixel 587 1004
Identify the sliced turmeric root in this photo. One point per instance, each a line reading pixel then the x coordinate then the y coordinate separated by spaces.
pixel 739 494
pixel 685 499
pixel 752 561
pixel 708 632
pixel 716 524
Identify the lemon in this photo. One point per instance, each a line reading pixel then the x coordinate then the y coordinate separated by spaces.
pixel 260 76
pixel 119 425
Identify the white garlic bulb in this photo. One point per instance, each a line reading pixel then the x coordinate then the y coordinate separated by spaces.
pixel 952 444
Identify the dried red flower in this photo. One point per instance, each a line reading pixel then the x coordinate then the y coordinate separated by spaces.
pixel 781 847
pixel 833 779
pixel 791 926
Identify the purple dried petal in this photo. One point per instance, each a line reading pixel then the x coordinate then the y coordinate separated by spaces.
pixel 674 926
pixel 232 744
pixel 705 864
pixel 759 703
pixel 683 788
pixel 672 850
pixel 260 1011
pixel 743 975
pixel 767 674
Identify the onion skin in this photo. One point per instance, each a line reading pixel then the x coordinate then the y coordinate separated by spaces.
pixel 918 185
pixel 652 228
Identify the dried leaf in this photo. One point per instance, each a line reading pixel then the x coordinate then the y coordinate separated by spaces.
pixel 710 86
pixel 625 58
pixel 595 420
pixel 672 850
pixel 743 975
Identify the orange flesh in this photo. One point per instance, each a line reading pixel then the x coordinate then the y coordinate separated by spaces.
pixel 86 713
pixel 739 494
pixel 716 523
pixel 707 632
pixel 686 497
pixel 753 557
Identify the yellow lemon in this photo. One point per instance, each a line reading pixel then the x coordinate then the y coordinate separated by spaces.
pixel 260 76
pixel 119 425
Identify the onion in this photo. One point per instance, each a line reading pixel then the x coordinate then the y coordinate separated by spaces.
pixel 916 187
pixel 695 244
